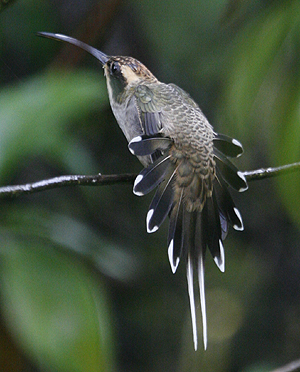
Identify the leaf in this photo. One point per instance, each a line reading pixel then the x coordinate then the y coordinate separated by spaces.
pixel 284 148
pixel 264 93
pixel 57 311
pixel 35 114
pixel 255 58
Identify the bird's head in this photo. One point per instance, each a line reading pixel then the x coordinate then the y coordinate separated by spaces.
pixel 121 72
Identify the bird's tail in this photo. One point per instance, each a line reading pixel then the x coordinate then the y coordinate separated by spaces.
pixel 191 232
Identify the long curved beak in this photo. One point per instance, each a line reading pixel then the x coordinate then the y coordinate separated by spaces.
pixel 102 57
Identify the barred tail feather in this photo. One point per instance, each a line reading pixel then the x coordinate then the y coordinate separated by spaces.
pixel 202 297
pixel 228 146
pixel 190 283
pixel 224 225
pixel 231 174
pixel 175 237
pixel 226 206
pixel 200 209
pixel 151 176
pixel 145 145
pixel 200 251
pixel 195 243
pixel 162 201
pixel 214 235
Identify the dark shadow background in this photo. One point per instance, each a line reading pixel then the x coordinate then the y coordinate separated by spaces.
pixel 83 286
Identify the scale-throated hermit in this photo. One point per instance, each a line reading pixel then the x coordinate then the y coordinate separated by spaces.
pixel 183 158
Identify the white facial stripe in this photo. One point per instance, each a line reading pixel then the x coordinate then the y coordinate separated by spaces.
pixel 128 74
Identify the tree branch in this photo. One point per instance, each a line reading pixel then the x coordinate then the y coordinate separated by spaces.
pixel 101 180
pixel 73 180
pixel 293 366
pixel 259 174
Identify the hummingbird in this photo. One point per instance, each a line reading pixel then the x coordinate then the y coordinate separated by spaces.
pixel 184 159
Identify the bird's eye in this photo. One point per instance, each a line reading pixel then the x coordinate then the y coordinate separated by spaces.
pixel 114 68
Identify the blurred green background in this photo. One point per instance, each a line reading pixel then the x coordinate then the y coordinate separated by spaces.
pixel 83 287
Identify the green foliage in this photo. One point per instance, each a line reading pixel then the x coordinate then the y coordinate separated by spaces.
pixel 264 91
pixel 81 283
pixel 57 311
pixel 36 115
